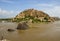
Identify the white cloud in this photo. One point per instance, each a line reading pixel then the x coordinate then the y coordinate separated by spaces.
pixel 51 9
pixel 55 11
pixel 45 5
pixel 6 13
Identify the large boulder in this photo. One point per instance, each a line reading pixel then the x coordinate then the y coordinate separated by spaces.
pixel 22 26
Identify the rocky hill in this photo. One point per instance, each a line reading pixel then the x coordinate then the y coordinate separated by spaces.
pixel 32 15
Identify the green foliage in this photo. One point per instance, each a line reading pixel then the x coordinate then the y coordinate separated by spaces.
pixel 27 18
pixel 36 20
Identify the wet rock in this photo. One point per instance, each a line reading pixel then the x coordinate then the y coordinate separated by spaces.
pixel 10 30
pixel 22 26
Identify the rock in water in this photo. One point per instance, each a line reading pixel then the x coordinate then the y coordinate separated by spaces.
pixel 22 26
pixel 10 30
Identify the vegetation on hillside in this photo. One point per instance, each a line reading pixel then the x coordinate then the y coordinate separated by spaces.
pixel 32 15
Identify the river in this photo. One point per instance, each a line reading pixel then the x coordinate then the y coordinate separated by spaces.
pixel 41 32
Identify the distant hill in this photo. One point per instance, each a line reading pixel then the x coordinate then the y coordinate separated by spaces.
pixel 32 15
pixel 6 19
pixel 56 18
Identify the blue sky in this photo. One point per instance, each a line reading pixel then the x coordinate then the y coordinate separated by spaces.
pixel 10 8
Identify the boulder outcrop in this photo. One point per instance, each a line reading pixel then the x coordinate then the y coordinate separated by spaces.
pixel 33 15
pixel 22 26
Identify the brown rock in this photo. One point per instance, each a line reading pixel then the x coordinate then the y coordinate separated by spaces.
pixel 10 30
pixel 22 26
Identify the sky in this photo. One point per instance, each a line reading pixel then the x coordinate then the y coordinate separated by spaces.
pixel 10 8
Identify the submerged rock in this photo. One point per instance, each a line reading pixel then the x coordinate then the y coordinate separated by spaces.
pixel 10 30
pixel 22 26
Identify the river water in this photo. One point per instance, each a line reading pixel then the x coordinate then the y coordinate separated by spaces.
pixel 40 32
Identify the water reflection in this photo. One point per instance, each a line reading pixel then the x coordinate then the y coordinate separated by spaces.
pixel 21 31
